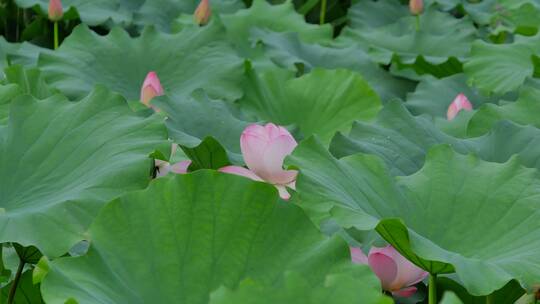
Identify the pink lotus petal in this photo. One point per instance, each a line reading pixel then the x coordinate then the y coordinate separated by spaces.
pixel 416 6
pixel 162 167
pixel 407 273
pixel 461 102
pixel 283 193
pixel 180 167
pixel 405 292
pixel 384 267
pixel 151 88
pixel 358 256
pixel 56 12
pixel 236 170
pixel 202 13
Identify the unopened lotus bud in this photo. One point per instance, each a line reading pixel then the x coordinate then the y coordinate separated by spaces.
pixel 56 12
pixel 203 12
pixel 150 88
pixel 461 102
pixel 416 6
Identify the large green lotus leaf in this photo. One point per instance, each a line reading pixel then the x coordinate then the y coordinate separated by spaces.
pixel 339 288
pixel 287 50
pixel 200 231
pixel 501 68
pixel 440 38
pixel 7 93
pixel 277 18
pixel 197 57
pixel 433 96
pixel 522 111
pixel 60 161
pixel 450 298
pixel 335 97
pixel 506 295
pixel 374 14
pixel 427 216
pixel 19 53
pixel 403 141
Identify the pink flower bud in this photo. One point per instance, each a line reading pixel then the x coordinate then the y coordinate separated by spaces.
pixel 203 12
pixel 460 103
pixel 150 88
pixel 55 10
pixel 264 148
pixel 396 273
pixel 416 6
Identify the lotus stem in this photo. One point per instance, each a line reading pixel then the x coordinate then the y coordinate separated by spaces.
pixel 323 12
pixel 432 295
pixel 13 289
pixel 55 35
pixel 417 22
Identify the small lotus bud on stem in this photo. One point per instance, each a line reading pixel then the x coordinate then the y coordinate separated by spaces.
pixel 203 12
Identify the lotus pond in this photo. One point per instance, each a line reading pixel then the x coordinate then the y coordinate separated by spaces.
pixel 269 152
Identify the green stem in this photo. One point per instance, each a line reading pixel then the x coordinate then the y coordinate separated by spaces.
pixel 489 299
pixel 323 12
pixel 417 22
pixel 55 35
pixel 432 296
pixel 13 289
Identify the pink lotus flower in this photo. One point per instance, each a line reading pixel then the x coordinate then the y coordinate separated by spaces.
pixel 203 12
pixel 460 103
pixel 264 149
pixel 163 168
pixel 396 273
pixel 151 88
pixel 416 6
pixel 56 12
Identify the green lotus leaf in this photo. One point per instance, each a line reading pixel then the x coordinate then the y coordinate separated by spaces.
pixel 287 50
pixel 277 18
pixel 440 38
pixel 450 298
pixel 427 215
pixel 506 295
pixel 200 231
pixel 25 53
pixel 522 111
pixel 501 68
pixel 403 141
pixel 27 292
pixel 433 96
pixel 60 161
pixel 197 57
pixel 370 14
pixel 335 97
pixel 338 288
pixel 7 93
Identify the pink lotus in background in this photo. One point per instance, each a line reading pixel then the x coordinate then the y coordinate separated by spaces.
pixel 396 273
pixel 151 88
pixel 164 168
pixel 461 102
pixel 202 13
pixel 56 12
pixel 264 148
pixel 416 6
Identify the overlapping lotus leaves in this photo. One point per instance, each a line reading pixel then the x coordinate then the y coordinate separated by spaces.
pixel 335 97
pixel 502 68
pixel 433 96
pixel 28 292
pixel 58 166
pixel 370 14
pixel 427 216
pixel 191 59
pixel 186 236
pixel 403 141
pixel 286 50
pixel 19 53
pixel 522 111
pixel 439 38
pixel 277 18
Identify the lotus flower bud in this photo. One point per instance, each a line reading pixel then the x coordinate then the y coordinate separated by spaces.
pixel 397 274
pixel 416 6
pixel 461 102
pixel 163 168
pixel 56 12
pixel 264 148
pixel 203 12
pixel 150 88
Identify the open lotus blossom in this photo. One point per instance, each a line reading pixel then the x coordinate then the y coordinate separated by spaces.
pixel 461 102
pixel 56 12
pixel 203 12
pixel 264 148
pixel 396 273
pixel 163 168
pixel 416 6
pixel 151 88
